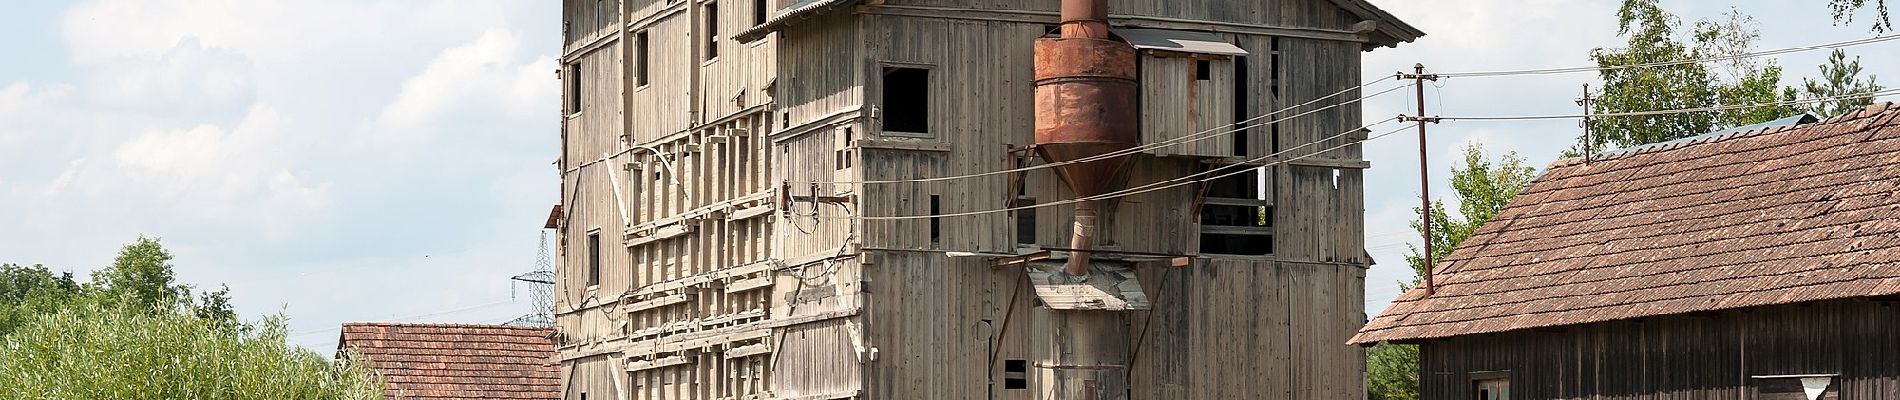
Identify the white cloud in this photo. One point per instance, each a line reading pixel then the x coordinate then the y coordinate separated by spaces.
pixel 486 75
pixel 188 78
pixel 211 171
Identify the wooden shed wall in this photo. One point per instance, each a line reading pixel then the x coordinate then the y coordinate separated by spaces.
pixel 1699 356
pixel 1291 13
pixel 944 328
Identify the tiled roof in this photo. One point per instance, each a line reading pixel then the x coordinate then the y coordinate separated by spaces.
pixel 458 361
pixel 1774 216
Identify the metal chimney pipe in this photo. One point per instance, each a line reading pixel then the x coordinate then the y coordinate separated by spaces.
pixel 1085 106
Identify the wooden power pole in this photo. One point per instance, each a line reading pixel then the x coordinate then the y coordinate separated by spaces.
pixel 1418 77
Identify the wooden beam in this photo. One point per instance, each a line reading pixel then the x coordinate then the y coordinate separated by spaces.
pixel 662 301
pixel 656 363
pixel 1236 230
pixel 1008 261
pixel 747 285
pixel 1225 201
pixel 1135 21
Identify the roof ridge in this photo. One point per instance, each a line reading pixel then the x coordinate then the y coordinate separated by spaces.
pixel 1871 111
pixel 441 325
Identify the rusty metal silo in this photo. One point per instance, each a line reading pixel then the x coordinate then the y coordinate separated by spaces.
pixel 1086 106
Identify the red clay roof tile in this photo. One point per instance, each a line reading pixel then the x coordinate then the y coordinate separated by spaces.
pixel 1773 216
pixel 457 361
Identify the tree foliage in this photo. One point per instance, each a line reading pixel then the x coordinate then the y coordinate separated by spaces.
pixel 134 332
pixel 1483 187
pixel 1392 372
pixel 1844 12
pixel 1651 38
pixel 1840 77
pixel 106 350
pixel 29 291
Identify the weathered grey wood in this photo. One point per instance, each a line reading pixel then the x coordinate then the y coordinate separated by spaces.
pixel 716 285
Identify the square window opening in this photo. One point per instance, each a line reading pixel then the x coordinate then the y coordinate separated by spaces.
pixel 1203 70
pixel 1025 220
pixel 1015 374
pixel 906 107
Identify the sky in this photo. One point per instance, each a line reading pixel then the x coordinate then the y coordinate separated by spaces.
pixel 348 160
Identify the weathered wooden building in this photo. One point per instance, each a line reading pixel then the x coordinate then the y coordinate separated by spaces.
pixel 730 171
pixel 1752 265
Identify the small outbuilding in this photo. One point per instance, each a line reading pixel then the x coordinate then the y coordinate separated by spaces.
pixel 1762 264
pixel 424 361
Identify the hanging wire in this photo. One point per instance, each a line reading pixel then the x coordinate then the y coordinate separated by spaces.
pixel 1566 70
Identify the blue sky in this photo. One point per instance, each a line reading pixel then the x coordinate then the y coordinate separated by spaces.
pixel 352 160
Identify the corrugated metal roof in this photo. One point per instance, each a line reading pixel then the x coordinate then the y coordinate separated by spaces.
pixel 1110 286
pixel 1182 41
pixel 1780 215
pixel 796 11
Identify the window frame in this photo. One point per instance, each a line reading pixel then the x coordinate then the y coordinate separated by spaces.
pixel 929 102
pixel 593 255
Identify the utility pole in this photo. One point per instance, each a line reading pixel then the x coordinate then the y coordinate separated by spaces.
pixel 1418 77
pixel 1589 145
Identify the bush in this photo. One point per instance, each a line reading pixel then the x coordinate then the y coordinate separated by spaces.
pixel 94 350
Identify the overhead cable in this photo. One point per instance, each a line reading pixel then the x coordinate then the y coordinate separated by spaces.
pixel 1198 136
pixel 1545 71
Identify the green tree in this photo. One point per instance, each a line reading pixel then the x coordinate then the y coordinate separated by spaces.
pixel 1651 37
pixel 142 276
pixel 1483 188
pixel 29 291
pixel 1844 12
pixel 1840 77
pixel 114 350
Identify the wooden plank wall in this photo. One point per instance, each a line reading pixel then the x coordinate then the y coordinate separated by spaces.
pixel 661 108
pixel 821 72
pixel 1699 356
pixel 1300 13
pixel 943 326
pixel 1219 329
pixel 1176 103
pixel 1249 329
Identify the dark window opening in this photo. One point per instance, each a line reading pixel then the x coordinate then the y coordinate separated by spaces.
pixel 759 12
pixel 936 223
pixel 1237 217
pixel 593 259
pixel 640 72
pixel 1015 374
pixel 1203 70
pixel 1025 220
pixel 906 100
pixel 574 88
pixel 712 30
pixel 1491 385
pixel 1241 110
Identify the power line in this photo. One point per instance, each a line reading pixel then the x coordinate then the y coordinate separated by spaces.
pixel 1674 111
pixel 1167 184
pixel 412 318
pixel 1544 71
pixel 1198 136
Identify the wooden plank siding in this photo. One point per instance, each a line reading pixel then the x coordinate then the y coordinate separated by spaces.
pixel 1699 356
pixel 716 285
